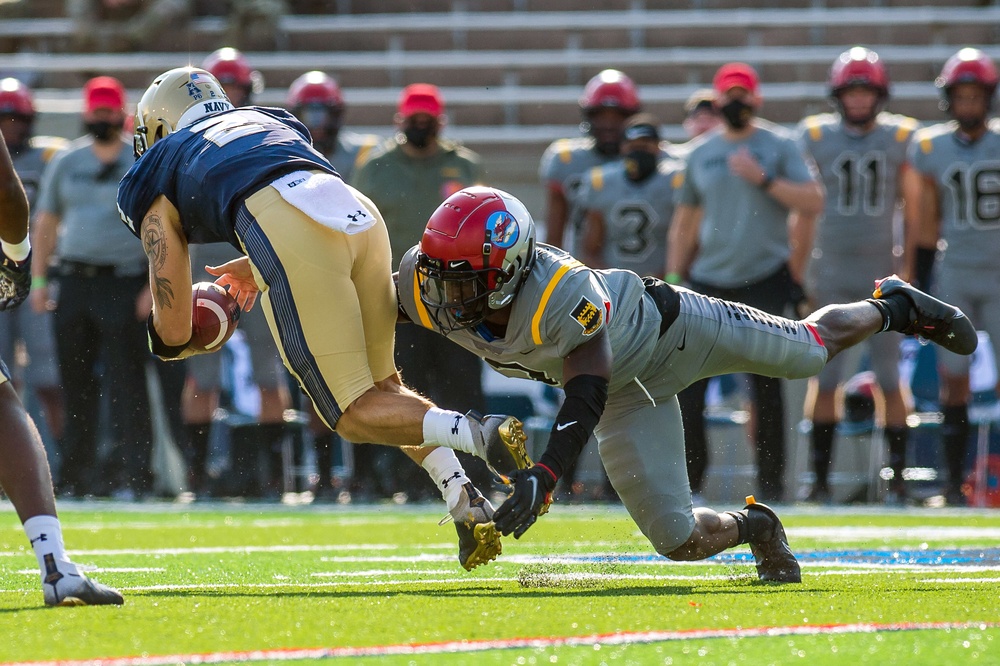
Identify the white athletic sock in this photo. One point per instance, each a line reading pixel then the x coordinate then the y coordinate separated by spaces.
pixel 443 427
pixel 446 471
pixel 45 535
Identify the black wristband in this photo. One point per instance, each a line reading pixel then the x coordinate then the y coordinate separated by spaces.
pixel 156 344
pixel 586 396
pixel 767 182
pixel 924 265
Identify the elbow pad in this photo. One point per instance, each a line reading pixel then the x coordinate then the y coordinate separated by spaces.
pixel 586 396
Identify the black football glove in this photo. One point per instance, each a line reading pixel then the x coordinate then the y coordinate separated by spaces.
pixel 531 498
pixel 15 281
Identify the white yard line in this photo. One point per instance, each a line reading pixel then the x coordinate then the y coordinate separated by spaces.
pixel 458 647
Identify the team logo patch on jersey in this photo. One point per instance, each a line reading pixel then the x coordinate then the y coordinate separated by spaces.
pixel 503 229
pixel 588 315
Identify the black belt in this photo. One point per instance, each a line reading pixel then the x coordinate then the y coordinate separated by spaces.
pixel 667 300
pixel 69 268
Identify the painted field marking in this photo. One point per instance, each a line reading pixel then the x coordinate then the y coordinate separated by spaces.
pixel 457 647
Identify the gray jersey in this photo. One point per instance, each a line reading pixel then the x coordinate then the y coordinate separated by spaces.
pixel 564 165
pixel 561 305
pixel 861 176
pixel 83 192
pixel 967 176
pixel 636 215
pixel 743 236
pixel 352 149
pixel 30 163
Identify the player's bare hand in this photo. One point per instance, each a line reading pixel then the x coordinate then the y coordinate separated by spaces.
pixel 745 165
pixel 236 276
pixel 143 303
pixel 40 300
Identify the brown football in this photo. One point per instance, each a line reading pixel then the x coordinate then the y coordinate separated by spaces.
pixel 214 316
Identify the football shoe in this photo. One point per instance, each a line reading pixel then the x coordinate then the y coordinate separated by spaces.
pixel 478 540
pixel 500 442
pixel 930 318
pixel 775 561
pixel 75 589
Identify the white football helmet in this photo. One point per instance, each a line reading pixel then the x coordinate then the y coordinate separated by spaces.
pixel 176 98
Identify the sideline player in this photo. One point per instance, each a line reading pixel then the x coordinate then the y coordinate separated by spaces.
pixel 24 468
pixel 951 193
pixel 608 99
pixel 860 152
pixel 622 347
pixel 208 172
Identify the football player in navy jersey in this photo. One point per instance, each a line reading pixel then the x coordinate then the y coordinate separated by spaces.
pixel 318 252
pixel 24 468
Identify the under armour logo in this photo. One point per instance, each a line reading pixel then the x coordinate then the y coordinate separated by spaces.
pixel 354 218
pixel 454 428
pixel 454 475
pixel 41 537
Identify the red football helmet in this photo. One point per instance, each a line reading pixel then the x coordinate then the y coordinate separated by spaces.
pixel 314 88
pixel 16 99
pixel 610 89
pixel 232 69
pixel 474 255
pixel 968 66
pixel 859 67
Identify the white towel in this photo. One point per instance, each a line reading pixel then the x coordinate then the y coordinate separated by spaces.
pixel 326 199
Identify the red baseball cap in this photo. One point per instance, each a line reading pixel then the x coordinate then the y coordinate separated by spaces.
pixel 103 92
pixel 736 75
pixel 421 98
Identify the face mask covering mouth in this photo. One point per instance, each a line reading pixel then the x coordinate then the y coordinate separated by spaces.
pixel 737 113
pixel 639 165
pixel 419 137
pixel 104 130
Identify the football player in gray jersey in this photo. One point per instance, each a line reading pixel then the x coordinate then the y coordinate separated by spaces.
pixel 608 100
pixel 860 152
pixel 622 347
pixel 629 203
pixel 951 193
pixel 316 99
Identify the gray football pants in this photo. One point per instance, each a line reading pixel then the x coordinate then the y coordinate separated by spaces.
pixel 640 436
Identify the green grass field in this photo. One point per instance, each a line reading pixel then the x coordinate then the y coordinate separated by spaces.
pixel 382 584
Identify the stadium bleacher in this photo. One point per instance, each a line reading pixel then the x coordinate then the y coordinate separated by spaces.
pixel 511 70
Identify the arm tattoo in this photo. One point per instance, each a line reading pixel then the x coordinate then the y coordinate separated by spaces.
pixel 154 243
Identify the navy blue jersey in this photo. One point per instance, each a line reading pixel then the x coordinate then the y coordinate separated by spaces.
pixel 209 167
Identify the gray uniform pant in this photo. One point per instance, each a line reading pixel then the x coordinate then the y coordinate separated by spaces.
pixel 640 436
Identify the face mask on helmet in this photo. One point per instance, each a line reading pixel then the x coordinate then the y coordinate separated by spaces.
pixel 456 296
pixel 323 122
pixel 16 130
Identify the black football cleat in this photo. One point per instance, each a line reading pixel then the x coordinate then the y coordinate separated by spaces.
pixel 775 561
pixel 931 319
